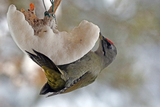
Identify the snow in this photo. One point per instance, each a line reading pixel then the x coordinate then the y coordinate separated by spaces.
pixel 62 47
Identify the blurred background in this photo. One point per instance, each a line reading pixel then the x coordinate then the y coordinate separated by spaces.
pixel 132 80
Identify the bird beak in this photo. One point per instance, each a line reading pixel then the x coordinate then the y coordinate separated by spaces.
pixel 101 36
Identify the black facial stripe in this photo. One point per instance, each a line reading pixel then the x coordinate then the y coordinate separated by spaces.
pixel 104 53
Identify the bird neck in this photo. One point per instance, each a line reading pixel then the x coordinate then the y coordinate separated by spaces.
pixel 105 60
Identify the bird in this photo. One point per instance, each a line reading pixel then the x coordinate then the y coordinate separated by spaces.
pixel 69 77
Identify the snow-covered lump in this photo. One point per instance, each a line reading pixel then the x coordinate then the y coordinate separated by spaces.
pixel 30 32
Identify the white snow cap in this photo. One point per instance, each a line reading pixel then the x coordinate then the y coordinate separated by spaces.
pixel 60 47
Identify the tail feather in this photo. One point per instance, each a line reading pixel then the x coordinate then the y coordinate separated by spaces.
pixel 42 60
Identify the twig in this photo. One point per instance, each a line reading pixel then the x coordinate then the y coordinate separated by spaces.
pixel 56 4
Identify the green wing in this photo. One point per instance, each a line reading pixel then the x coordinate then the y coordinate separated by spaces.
pixel 52 72
pixel 43 60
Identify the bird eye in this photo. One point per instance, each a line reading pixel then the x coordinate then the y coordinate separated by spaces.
pixel 109 46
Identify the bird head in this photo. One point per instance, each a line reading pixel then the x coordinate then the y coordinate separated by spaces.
pixel 106 50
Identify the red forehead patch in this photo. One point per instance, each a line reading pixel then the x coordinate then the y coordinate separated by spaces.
pixel 110 41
